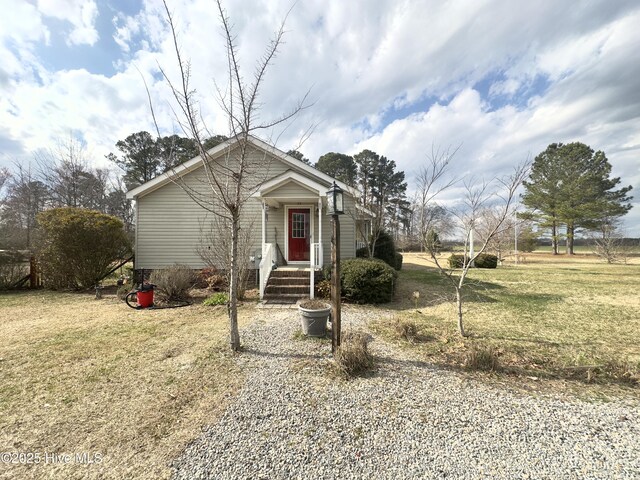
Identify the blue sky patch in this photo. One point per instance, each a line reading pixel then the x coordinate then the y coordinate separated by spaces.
pixel 519 98
pixel 98 58
pixel 396 113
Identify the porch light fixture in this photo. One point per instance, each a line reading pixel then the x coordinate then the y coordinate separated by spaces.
pixel 335 200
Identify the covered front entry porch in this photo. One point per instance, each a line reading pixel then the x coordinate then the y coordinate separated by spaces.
pixel 292 229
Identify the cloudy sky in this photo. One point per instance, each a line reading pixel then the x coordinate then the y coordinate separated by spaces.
pixel 503 79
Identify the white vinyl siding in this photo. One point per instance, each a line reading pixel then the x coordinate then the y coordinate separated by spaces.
pixel 292 190
pixel 347 232
pixel 169 221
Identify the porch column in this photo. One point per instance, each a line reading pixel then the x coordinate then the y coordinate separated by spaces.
pixel 320 252
pixel 264 225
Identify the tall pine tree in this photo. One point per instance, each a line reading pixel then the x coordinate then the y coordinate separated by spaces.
pixel 141 159
pixel 382 190
pixel 543 191
pixel 571 184
pixel 338 165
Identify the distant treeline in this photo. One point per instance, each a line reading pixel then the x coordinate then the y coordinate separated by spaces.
pixel 449 245
pixel 589 242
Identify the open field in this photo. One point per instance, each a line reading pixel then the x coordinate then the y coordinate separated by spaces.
pixel 85 375
pixel 570 319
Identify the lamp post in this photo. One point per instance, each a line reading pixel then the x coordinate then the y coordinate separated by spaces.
pixel 335 201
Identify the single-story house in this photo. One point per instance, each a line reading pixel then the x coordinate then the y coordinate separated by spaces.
pixel 285 213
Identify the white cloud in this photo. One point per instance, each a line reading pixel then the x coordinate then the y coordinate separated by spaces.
pixel 20 28
pixel 126 28
pixel 82 15
pixel 364 61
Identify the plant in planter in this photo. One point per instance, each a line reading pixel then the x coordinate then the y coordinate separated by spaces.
pixel 314 315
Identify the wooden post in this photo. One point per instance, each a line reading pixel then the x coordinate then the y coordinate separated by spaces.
pixel 335 284
pixel 33 274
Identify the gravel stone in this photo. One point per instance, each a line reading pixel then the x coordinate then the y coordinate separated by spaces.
pixel 410 419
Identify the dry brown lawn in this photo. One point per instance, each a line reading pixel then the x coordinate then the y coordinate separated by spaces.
pixel 84 375
pixel 572 320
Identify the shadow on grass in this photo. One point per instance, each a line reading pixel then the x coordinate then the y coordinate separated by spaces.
pixel 530 300
pixel 436 289
pixel 538 341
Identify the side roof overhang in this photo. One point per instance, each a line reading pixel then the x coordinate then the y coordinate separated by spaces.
pixel 217 151
pixel 365 211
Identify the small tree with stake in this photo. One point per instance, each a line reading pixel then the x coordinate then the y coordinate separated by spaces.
pixel 477 200
pixel 232 179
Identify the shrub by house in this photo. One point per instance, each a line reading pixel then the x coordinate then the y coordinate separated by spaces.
pixel 385 250
pixel 76 247
pixel 367 280
pixel 173 282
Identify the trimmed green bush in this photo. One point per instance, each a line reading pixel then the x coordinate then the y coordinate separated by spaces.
pixel 398 262
pixel 362 253
pixel 486 260
pixel 456 260
pixel 77 247
pixel 367 280
pixel 385 249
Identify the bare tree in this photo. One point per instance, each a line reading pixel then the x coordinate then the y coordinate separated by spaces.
pixel 230 180
pixel 26 196
pixel 117 204
pixel 478 197
pixel 609 241
pixel 503 239
pixel 215 248
pixel 4 176
pixel 433 179
pixel 71 180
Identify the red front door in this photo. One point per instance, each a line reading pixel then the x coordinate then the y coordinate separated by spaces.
pixel 299 234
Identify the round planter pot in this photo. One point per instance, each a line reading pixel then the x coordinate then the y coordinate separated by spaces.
pixel 314 322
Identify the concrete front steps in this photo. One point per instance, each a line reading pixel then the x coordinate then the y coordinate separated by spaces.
pixel 287 285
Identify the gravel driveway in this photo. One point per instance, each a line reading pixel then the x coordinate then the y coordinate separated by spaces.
pixel 409 420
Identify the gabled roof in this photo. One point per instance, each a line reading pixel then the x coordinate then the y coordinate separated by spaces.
pixel 219 150
pixel 292 176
